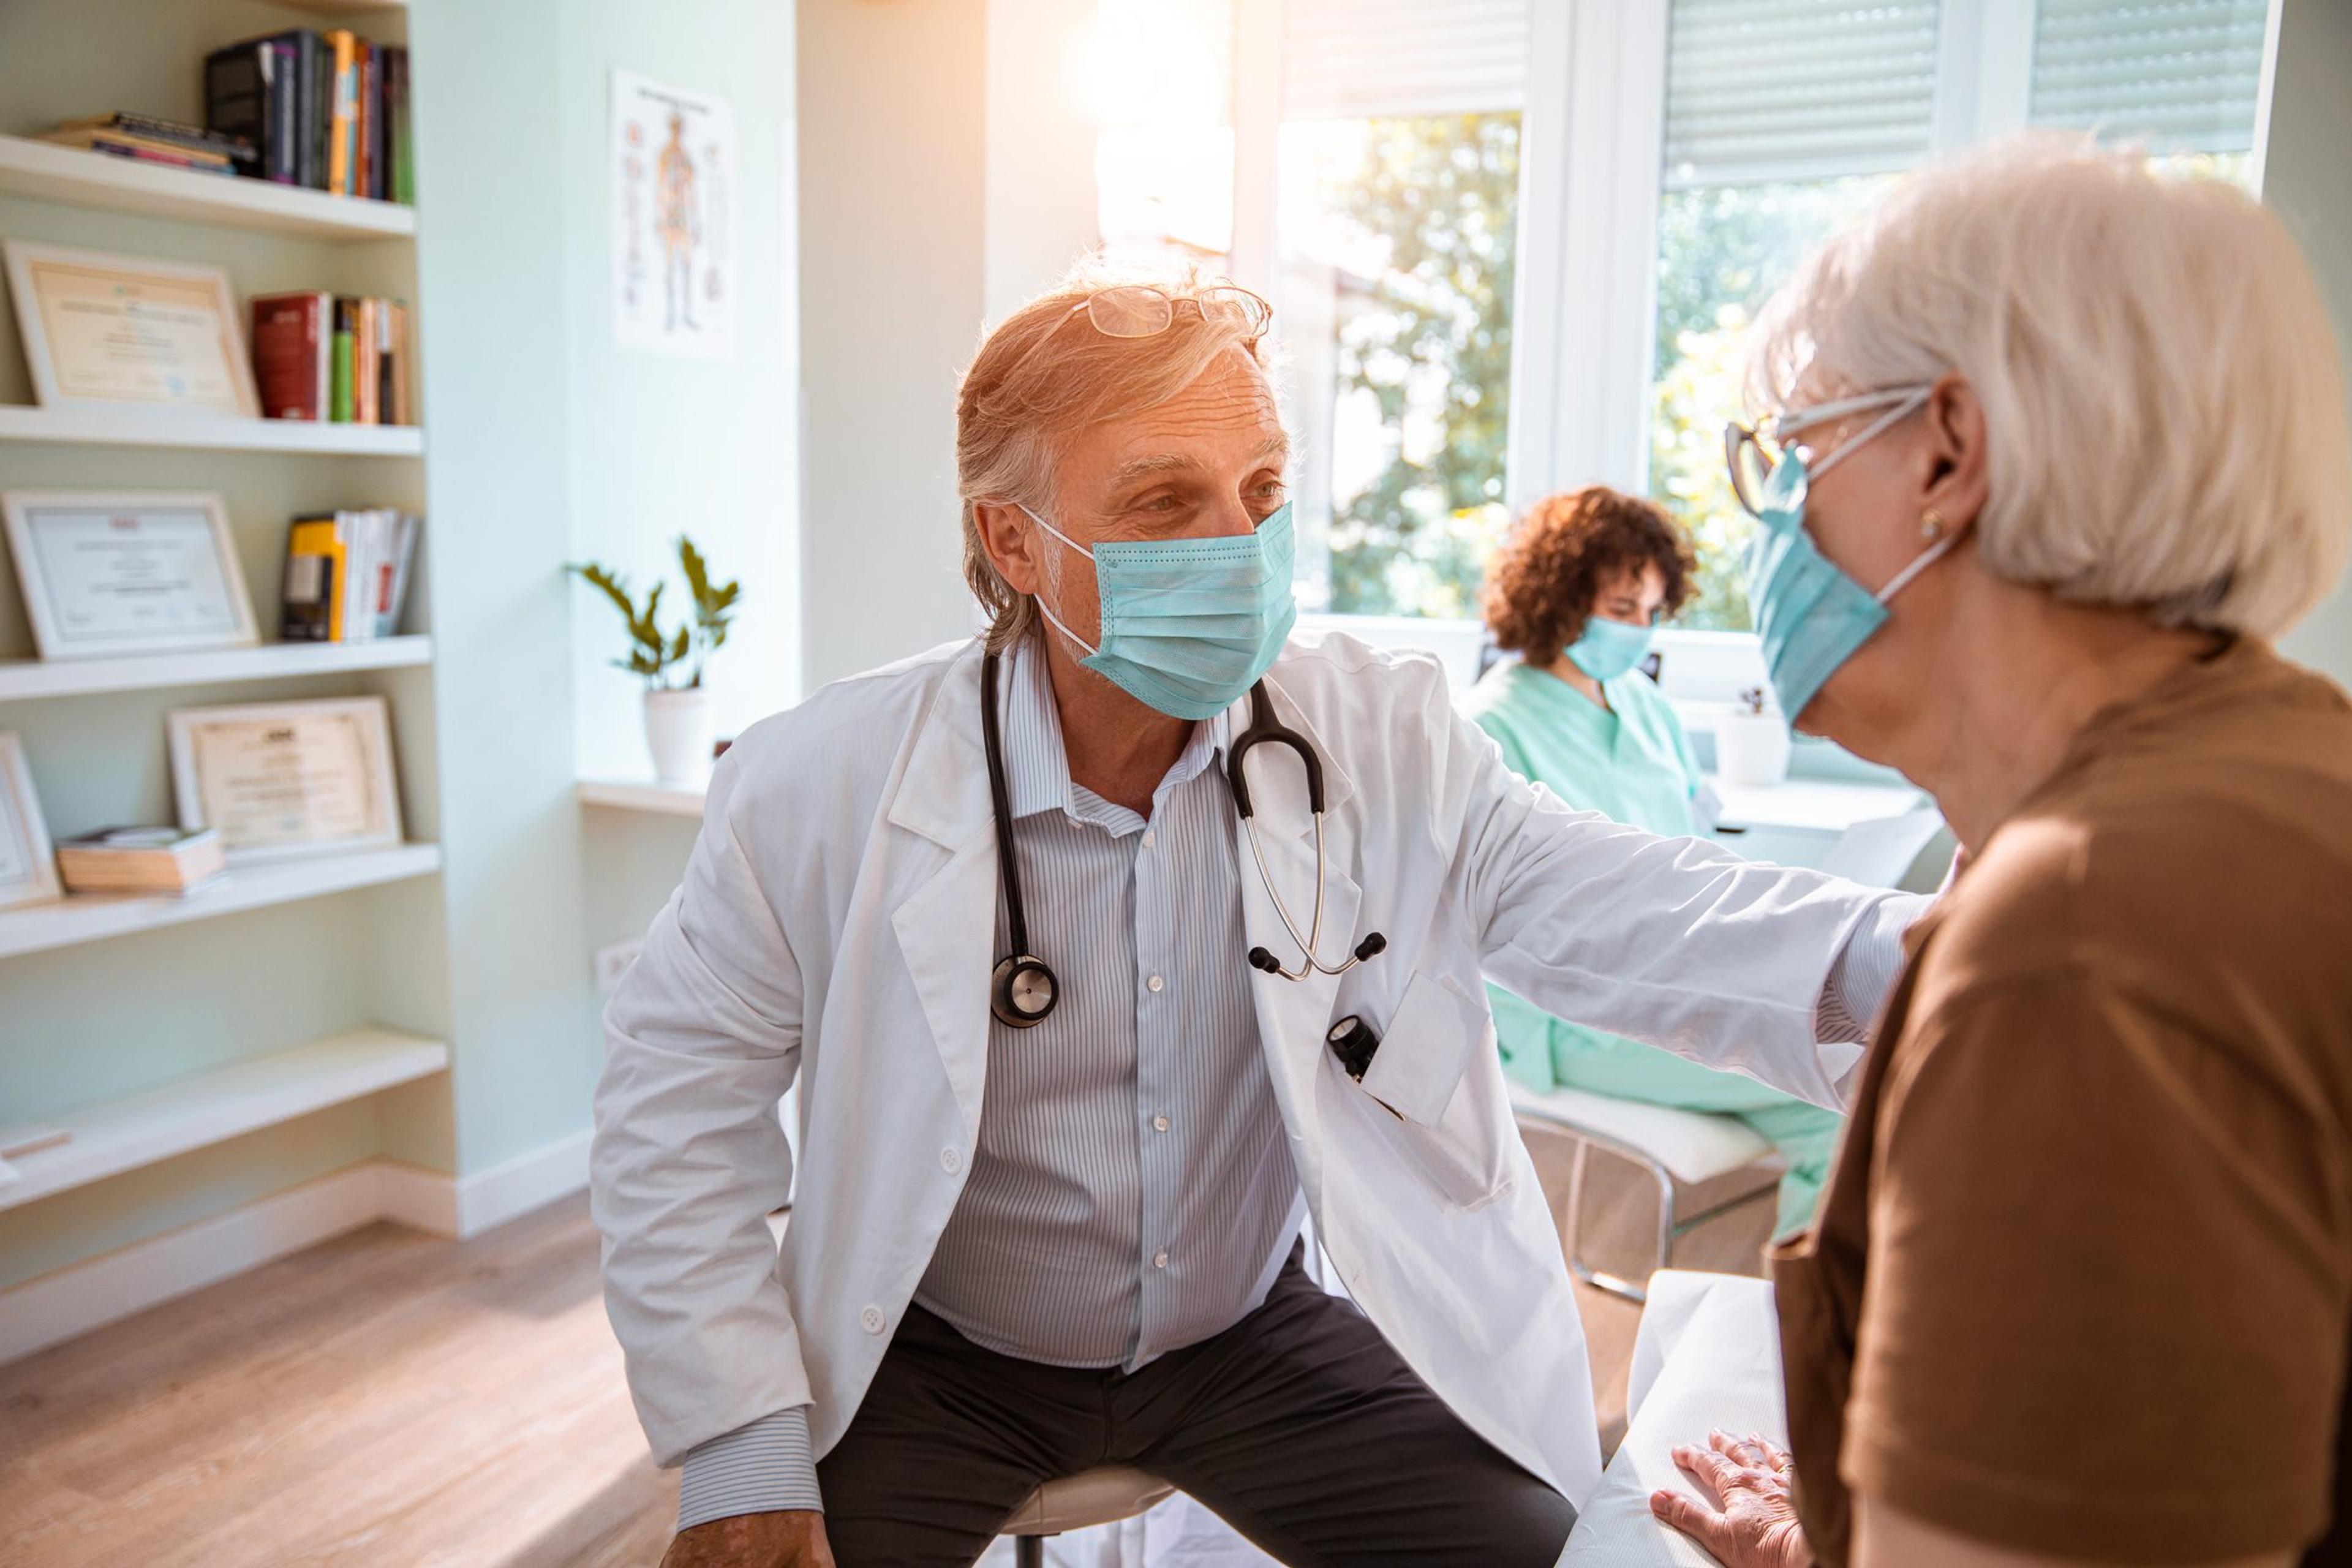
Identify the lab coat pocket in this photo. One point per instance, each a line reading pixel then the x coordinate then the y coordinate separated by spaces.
pixel 1424 1096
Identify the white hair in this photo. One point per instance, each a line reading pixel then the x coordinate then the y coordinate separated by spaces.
pixel 2163 399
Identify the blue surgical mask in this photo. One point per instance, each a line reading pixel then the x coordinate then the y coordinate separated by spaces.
pixel 1608 649
pixel 1188 625
pixel 1810 616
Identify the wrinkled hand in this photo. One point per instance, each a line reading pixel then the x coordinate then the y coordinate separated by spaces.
pixel 1752 1523
pixel 793 1538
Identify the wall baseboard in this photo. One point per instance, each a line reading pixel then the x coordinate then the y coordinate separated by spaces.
pixel 43 1311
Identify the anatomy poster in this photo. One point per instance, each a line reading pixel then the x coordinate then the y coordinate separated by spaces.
pixel 674 179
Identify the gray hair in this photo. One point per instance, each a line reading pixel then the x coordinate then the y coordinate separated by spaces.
pixel 2162 394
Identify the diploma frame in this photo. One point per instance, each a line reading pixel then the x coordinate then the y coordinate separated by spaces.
pixel 380 787
pixel 26 834
pixel 19 512
pixel 23 256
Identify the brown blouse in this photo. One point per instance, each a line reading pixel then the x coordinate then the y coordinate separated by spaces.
pixel 2082 1282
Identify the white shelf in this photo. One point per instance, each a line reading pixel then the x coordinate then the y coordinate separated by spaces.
pixel 260 1091
pixel 134 425
pixel 21 678
pixel 48 173
pixel 93 917
pixel 621 794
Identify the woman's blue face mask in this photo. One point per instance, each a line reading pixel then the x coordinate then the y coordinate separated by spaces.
pixel 1188 625
pixel 1810 615
pixel 1607 649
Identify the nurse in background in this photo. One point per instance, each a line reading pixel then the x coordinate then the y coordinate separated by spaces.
pixel 1577 592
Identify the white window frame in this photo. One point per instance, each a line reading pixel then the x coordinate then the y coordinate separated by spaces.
pixel 1585 315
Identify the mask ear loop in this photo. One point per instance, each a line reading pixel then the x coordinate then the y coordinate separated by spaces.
pixel 1040 598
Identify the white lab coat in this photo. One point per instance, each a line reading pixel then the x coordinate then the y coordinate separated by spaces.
pixel 837 919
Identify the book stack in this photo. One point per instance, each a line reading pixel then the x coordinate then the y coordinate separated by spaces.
pixel 140 860
pixel 347 575
pixel 328 111
pixel 344 361
pixel 149 139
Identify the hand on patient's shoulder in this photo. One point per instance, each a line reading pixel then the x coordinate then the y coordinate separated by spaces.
pixel 793 1538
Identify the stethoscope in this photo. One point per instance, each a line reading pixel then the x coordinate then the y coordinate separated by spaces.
pixel 1023 990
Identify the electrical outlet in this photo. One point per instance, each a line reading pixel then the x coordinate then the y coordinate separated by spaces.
pixel 612 961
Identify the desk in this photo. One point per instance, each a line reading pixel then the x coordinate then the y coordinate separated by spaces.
pixel 1809 806
pixel 1806 821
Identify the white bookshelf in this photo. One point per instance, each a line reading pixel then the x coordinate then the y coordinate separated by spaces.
pixel 47 171
pixel 260 1091
pixel 94 916
pixel 22 678
pixel 132 425
pixel 623 794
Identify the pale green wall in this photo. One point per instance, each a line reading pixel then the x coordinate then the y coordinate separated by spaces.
pixel 2308 176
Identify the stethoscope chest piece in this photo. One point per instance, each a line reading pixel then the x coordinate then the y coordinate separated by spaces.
pixel 1022 992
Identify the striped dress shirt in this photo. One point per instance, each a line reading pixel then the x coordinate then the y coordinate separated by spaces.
pixel 1132 1190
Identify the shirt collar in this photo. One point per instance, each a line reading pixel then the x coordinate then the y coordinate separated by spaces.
pixel 1036 767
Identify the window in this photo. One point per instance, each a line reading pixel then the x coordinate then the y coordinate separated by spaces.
pixel 1783 124
pixel 1164 159
pixel 1396 180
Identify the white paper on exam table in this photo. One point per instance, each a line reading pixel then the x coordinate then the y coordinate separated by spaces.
pixel 1707 1355
pixel 1879 853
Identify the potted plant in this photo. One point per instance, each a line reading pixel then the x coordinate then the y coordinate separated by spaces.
pixel 1751 741
pixel 678 711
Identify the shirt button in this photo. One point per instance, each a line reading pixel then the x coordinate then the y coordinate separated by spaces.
pixel 1155 983
pixel 871 1319
pixel 1160 1261
pixel 1160 1124
pixel 950 1159
pixel 1148 836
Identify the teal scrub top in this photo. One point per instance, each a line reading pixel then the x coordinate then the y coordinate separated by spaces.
pixel 1632 762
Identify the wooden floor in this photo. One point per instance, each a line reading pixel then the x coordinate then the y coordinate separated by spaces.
pixel 389 1399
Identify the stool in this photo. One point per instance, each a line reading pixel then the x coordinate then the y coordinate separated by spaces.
pixel 1691 1146
pixel 1102 1496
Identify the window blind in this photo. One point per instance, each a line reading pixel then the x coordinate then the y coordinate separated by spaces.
pixel 1353 59
pixel 1761 91
pixel 2181 75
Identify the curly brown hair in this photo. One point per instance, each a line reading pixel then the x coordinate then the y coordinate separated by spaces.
pixel 1544 579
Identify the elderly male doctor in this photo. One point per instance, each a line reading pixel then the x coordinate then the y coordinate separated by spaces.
pixel 1052 1183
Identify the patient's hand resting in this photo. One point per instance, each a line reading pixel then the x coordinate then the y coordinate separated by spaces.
pixel 1753 1522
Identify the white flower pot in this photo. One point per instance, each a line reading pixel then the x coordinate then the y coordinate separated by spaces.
pixel 677 732
pixel 1751 749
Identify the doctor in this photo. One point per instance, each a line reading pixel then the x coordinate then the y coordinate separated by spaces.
pixel 1083 1031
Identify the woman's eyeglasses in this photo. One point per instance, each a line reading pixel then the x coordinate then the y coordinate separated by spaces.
pixel 1750 452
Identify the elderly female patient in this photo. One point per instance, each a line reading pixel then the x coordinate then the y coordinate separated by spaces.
pixel 2056 445
pixel 1575 594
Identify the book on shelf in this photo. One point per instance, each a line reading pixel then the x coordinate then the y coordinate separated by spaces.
pixel 343 360
pixel 327 111
pixel 347 575
pixel 140 859
pixel 150 138
pixel 293 349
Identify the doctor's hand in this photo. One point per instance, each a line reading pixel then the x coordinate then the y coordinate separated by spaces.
pixel 1753 1520
pixel 793 1538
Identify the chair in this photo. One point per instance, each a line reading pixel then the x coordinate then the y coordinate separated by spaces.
pixel 1102 1496
pixel 1677 1148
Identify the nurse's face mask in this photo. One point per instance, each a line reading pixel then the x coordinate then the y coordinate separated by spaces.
pixel 1811 616
pixel 1188 625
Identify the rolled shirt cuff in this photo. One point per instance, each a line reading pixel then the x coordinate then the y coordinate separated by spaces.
pixel 1865 970
pixel 762 1466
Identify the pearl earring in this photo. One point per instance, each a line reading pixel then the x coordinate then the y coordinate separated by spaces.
pixel 1931 523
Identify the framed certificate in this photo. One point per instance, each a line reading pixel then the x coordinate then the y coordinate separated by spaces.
pixel 101 329
pixel 287 779
pixel 29 867
pixel 142 572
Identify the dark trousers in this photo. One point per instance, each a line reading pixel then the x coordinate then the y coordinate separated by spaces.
pixel 1298 1425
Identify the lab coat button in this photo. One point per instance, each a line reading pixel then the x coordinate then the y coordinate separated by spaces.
pixel 950 1159
pixel 872 1320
